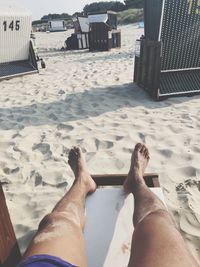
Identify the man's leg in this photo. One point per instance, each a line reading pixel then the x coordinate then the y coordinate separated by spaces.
pixel 60 233
pixel 156 242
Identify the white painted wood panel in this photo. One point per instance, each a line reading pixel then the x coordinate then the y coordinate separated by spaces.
pixel 109 227
pixel 15 30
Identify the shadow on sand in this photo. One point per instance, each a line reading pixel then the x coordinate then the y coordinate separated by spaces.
pixel 80 106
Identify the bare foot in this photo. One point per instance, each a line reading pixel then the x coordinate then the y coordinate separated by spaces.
pixel 139 161
pixel 78 166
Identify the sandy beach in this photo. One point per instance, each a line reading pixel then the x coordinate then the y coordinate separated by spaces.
pixel 89 99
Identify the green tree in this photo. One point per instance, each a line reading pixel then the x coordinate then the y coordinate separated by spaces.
pixel 104 6
pixel 56 16
pixel 134 3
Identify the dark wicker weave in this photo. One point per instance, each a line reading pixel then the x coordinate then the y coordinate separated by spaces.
pixel 172 28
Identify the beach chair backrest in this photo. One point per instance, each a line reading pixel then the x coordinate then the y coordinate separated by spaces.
pixel 109 18
pixel 180 34
pixel 169 60
pixel 176 24
pixel 15 31
pixel 84 24
pixel 76 24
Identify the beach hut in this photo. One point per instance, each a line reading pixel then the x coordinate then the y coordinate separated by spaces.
pixel 56 25
pixel 17 56
pixel 103 34
pixel 167 58
pixel 79 39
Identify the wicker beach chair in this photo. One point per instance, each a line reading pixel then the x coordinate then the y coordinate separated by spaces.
pixel 167 59
pixel 79 39
pixel 17 56
pixel 103 34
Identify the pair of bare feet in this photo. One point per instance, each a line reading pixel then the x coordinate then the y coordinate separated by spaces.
pixel 139 161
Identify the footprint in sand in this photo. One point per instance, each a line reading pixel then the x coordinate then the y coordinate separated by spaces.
pixel 124 116
pixel 21 119
pixel 42 138
pixel 53 117
pixel 193 183
pixel 189 224
pixel 103 144
pixel 8 170
pixel 115 125
pixel 119 164
pixel 65 127
pixel 36 178
pixel 16 135
pixel 95 105
pixel 142 137
pixel 44 148
pixel 166 152
pixel 196 149
pixel 61 92
pixel 58 185
pixel 189 203
pixel 96 82
pixel 188 171
pixel 118 138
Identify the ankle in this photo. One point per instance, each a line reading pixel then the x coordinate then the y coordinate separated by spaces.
pixel 138 186
pixel 136 177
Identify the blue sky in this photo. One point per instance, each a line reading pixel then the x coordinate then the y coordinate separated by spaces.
pixel 43 7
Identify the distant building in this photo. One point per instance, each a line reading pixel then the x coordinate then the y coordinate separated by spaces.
pixel 56 25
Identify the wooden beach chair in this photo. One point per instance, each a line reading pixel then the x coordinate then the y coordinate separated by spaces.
pixel 56 25
pixel 103 34
pixel 105 211
pixel 17 56
pixel 167 59
pixel 80 38
pixel 9 250
pixel 109 227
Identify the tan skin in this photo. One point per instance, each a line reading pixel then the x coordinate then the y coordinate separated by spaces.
pixel 60 233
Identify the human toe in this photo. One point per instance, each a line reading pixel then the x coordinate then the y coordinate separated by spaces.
pixel 138 147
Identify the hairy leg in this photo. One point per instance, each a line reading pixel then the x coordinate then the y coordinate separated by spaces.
pixel 156 241
pixel 60 233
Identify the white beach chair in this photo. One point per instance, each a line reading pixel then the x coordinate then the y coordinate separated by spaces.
pixel 108 230
pixel 109 227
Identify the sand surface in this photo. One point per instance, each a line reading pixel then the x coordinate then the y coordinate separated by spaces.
pixel 89 99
